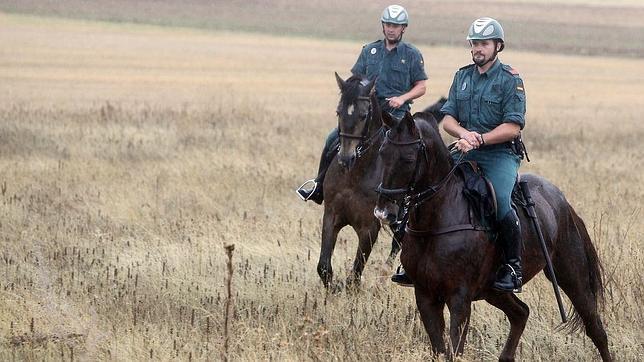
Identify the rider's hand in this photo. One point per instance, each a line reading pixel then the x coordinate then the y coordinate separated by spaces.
pixel 473 138
pixel 469 140
pixel 463 145
pixel 395 102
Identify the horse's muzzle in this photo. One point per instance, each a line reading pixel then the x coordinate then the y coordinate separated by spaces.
pixel 386 217
pixel 346 161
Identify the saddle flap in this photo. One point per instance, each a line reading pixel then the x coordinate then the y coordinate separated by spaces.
pixel 479 191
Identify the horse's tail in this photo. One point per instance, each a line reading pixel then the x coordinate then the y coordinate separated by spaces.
pixel 595 270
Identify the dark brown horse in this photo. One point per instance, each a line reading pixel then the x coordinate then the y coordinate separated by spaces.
pixel 349 185
pixel 454 265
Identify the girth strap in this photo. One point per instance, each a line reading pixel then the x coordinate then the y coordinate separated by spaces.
pixel 445 230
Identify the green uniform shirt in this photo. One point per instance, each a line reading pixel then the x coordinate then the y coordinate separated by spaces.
pixel 481 102
pixel 395 71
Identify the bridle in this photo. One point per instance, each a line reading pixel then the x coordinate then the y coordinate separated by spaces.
pixel 365 141
pixel 410 197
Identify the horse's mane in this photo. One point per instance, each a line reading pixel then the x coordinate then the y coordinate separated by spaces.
pixel 428 126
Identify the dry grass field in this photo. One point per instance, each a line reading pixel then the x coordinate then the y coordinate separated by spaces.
pixel 130 154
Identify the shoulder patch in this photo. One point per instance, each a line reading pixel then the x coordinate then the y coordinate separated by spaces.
pixel 519 86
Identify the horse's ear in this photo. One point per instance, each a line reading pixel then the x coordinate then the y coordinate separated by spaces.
pixel 388 120
pixel 408 121
pixel 339 80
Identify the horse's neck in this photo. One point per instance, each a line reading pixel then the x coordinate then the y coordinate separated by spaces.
pixel 448 197
pixel 447 208
pixel 439 167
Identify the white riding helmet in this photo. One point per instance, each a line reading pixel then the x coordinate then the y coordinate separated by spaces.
pixel 395 14
pixel 485 28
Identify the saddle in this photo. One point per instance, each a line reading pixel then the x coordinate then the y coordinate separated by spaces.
pixel 479 192
pixel 482 207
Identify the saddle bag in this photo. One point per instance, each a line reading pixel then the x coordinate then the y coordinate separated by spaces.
pixel 477 193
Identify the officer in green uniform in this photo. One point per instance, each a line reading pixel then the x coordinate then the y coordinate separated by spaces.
pixel 398 69
pixel 485 110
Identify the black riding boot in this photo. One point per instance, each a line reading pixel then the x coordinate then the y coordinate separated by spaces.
pixel 400 277
pixel 509 277
pixel 314 191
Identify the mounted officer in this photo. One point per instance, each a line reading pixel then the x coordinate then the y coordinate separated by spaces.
pixel 398 69
pixel 485 110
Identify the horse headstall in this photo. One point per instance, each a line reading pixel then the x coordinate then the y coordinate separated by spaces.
pixel 365 141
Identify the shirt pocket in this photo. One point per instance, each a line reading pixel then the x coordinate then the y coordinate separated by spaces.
pixel 373 67
pixel 400 76
pixel 492 109
pixel 463 100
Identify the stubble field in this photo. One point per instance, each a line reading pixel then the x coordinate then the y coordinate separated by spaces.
pixel 131 154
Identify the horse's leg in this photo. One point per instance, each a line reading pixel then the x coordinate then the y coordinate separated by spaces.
pixel 367 236
pixel 431 313
pixel 577 268
pixel 330 229
pixel 517 313
pixel 459 322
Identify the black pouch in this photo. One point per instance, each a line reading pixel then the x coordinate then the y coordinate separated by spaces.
pixel 518 147
pixel 477 193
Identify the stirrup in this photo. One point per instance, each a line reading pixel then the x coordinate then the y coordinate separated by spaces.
pixel 307 189
pixel 517 281
pixel 401 278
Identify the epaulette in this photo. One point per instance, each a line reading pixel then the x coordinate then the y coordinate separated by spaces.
pixel 510 70
pixel 465 67
pixel 372 43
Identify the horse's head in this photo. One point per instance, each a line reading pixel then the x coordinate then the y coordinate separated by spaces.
pixel 399 154
pixel 355 110
pixel 404 156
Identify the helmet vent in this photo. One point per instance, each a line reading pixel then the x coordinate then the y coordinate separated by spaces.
pixel 489 30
